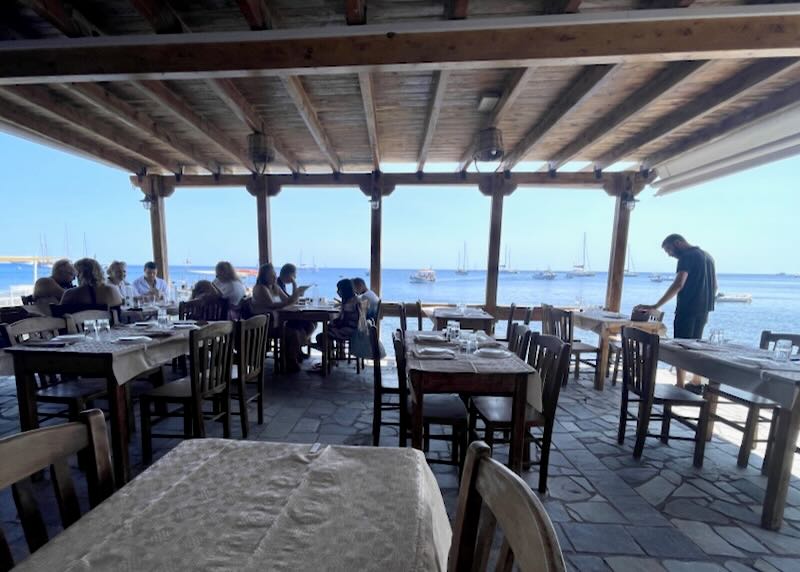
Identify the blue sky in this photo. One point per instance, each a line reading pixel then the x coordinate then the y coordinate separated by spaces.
pixel 748 221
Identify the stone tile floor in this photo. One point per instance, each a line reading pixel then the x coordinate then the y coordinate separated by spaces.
pixel 611 511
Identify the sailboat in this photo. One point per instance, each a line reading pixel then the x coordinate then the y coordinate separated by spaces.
pixel 581 270
pixel 462 262
pixel 302 266
pixel 505 268
pixel 629 271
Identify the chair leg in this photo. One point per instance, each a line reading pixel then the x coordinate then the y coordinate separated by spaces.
pixel 700 436
pixel 454 456
pixel 196 411
pixel 544 457
pixel 665 421
pixel 642 424
pixel 426 439
pixel 147 439
pixel 243 413
pixel 770 441
pixel 623 415
pixel 617 359
pixel 489 434
pixel 260 398
pixel 225 404
pixel 748 437
pixel 376 420
pixel 403 430
pixel 188 423
pixel 577 365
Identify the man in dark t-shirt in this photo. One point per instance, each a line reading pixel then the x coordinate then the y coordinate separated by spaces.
pixel 696 287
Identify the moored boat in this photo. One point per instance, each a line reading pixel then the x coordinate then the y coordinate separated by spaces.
pixel 424 276
pixel 736 298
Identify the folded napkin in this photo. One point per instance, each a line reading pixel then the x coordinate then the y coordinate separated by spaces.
pixel 133 339
pixel 431 339
pixel 434 353
pixel 47 343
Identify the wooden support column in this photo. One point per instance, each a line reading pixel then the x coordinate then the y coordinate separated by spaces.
pixel 497 187
pixel 157 188
pixel 260 188
pixel 376 190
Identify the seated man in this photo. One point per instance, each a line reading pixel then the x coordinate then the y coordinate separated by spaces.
pixel 371 297
pixel 50 289
pixel 149 284
pixel 91 289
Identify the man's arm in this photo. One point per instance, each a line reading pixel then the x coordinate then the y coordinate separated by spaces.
pixel 672 291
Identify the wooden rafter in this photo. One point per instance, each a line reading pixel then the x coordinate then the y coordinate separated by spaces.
pixel 161 15
pixel 723 93
pixel 47 131
pixel 773 104
pixel 257 13
pixel 456 9
pixel 660 85
pixel 587 83
pixel 371 117
pixel 46 101
pixel 355 12
pixel 434 108
pixel 65 18
pixel 294 87
pixel 639 36
pixel 168 99
pixel 517 81
pixel 561 6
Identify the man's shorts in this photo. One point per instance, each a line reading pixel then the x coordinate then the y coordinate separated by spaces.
pixel 689 327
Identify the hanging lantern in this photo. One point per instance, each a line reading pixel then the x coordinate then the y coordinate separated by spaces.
pixel 489 145
pixel 261 151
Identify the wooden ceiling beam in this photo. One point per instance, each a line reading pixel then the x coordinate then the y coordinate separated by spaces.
pixel 258 14
pixel 588 38
pixel 434 108
pixel 456 9
pixel 736 86
pixel 355 12
pixel 161 16
pixel 562 6
pixel 168 99
pixel 44 130
pixel 588 82
pixel 775 103
pixel 44 100
pixel 371 117
pixel 665 81
pixel 294 87
pixel 514 86
pixel 64 17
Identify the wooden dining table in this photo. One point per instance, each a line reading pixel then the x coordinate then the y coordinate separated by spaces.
pixel 216 504
pixel 606 324
pixel 752 370
pixel 468 319
pixel 315 313
pixel 468 375
pixel 115 361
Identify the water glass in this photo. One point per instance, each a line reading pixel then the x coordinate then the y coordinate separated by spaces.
pixel 783 350
pixel 717 336
pixel 472 343
pixel 461 308
pixel 90 328
pixel 163 318
pixel 103 328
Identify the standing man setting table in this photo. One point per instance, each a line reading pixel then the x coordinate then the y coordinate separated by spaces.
pixel 695 285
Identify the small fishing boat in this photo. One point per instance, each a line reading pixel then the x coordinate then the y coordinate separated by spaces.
pixel 424 276
pixel 544 275
pixel 736 298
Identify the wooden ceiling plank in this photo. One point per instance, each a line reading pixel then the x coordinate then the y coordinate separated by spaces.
pixel 456 9
pixel 589 80
pixel 709 101
pixel 65 18
pixel 355 12
pixel 665 81
pixel 258 14
pixel 371 117
pixel 739 32
pixel 772 104
pixel 434 108
pixel 45 100
pixel 294 87
pixel 161 16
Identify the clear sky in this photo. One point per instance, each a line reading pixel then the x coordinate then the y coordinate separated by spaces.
pixel 747 221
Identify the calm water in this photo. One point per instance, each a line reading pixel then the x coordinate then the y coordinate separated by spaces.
pixel 775 306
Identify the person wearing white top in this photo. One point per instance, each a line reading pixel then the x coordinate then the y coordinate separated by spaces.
pixel 117 272
pixel 149 284
pixel 228 284
pixel 371 297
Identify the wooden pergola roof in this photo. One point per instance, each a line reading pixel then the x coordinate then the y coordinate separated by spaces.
pixel 161 87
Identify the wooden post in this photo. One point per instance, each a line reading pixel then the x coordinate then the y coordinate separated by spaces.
pixel 259 188
pixel 157 189
pixel 376 208
pixel 624 189
pixel 495 186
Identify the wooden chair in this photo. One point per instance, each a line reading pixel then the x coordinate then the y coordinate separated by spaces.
pixel 519 338
pixel 420 315
pixel 204 310
pixel 754 404
pixel 250 351
pixel 75 395
pixel 615 345
pixel 492 496
pixel 558 322
pixel 639 365
pixel 550 357
pixel 26 454
pixel 382 389
pixel 511 310
pixel 447 410
pixel 403 317
pixel 75 321
pixel 61 310
pixel 210 356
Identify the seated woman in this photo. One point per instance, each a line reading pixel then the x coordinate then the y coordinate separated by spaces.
pixel 91 286
pixel 117 271
pixel 228 284
pixel 204 290
pixel 346 323
pixel 268 297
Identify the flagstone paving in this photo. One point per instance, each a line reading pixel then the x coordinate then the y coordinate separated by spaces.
pixel 611 511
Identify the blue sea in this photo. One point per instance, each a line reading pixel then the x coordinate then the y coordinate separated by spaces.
pixel 775 305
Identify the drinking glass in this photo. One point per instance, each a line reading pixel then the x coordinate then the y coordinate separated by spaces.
pixel 103 328
pixel 163 318
pixel 472 343
pixel 783 350
pixel 715 337
pixel 90 328
pixel 461 308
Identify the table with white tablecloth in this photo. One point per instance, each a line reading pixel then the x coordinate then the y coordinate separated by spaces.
pixel 241 505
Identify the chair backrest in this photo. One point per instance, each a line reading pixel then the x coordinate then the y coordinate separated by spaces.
pixel 557 322
pixel 75 321
pixel 34 329
pixel 61 310
pixel 398 340
pixel 528 316
pixel 251 346
pixel 639 362
pixel 403 317
pixel 519 337
pixel 375 352
pixel 419 315
pixel 511 310
pixel 550 357
pixel 210 355
pixel 768 340
pixel 25 454
pixel 207 310
pixel 647 315
pixel 492 496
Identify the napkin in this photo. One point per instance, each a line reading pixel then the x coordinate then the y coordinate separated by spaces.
pixel 434 353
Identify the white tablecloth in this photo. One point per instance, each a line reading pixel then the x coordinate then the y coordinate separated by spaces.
pixel 214 504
